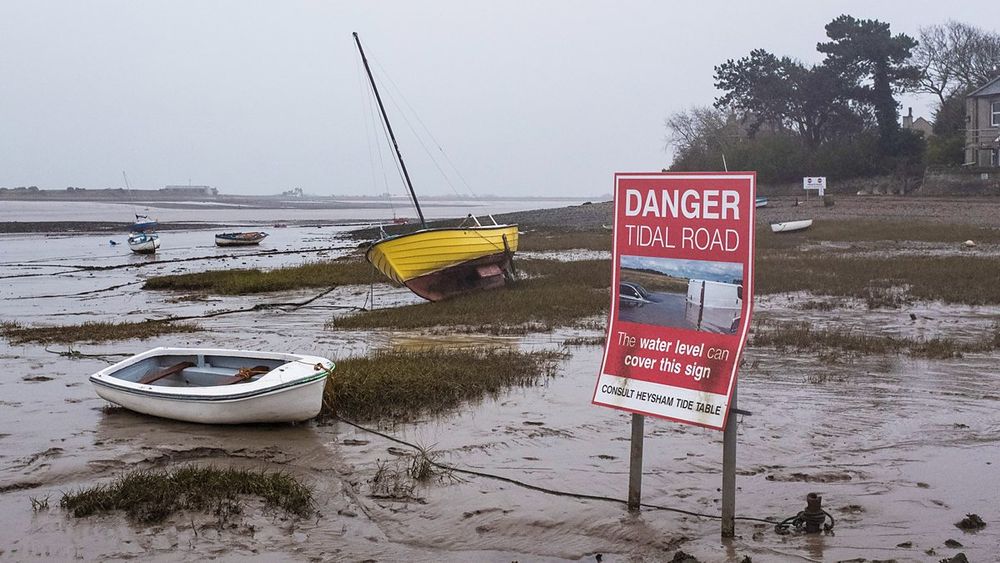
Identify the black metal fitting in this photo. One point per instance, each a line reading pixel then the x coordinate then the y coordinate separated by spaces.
pixel 812 520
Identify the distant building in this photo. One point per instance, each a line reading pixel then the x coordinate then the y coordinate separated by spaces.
pixel 919 124
pixel 190 190
pixel 982 118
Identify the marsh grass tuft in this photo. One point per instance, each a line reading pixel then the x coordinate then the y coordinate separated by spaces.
pixel 801 336
pixel 868 230
pixel 550 240
pixel 882 282
pixel 39 503
pixel 554 293
pixel 91 331
pixel 584 341
pixel 242 282
pixel 398 385
pixel 149 497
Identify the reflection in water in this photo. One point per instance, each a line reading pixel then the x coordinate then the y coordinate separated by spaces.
pixel 719 320
pixel 673 310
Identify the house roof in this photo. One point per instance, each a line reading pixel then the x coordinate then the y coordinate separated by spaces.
pixel 991 88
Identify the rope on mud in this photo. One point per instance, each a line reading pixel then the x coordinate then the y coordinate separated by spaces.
pixel 76 355
pixel 89 268
pixel 263 306
pixel 541 489
pixel 92 291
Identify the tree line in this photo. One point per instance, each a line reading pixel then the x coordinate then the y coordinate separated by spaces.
pixel 839 118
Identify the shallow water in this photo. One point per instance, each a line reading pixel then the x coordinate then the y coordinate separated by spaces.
pixel 900 449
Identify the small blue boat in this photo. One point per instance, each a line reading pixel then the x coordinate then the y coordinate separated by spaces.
pixel 760 202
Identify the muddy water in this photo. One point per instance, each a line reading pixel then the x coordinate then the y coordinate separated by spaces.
pixel 900 449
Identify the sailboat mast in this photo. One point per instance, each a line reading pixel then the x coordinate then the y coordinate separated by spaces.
pixel 392 136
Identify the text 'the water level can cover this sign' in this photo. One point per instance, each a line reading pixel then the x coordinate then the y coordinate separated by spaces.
pixel 682 294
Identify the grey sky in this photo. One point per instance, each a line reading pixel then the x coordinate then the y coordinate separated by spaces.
pixel 527 98
pixel 691 269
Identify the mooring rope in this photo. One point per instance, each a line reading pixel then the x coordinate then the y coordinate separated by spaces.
pixel 539 488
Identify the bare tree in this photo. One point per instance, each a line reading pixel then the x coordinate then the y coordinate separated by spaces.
pixel 702 128
pixel 956 57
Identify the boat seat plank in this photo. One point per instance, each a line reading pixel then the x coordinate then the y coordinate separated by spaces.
pixel 253 372
pixel 165 372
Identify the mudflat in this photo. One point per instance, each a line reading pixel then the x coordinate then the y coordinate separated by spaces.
pixel 901 445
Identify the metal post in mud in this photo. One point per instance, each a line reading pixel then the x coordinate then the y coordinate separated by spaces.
pixel 729 471
pixel 635 464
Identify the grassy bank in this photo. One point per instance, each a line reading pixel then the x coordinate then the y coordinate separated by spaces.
pixel 395 385
pixel 16 333
pixel 881 282
pixel 554 294
pixel 867 230
pixel 551 240
pixel 803 337
pixel 242 282
pixel 151 496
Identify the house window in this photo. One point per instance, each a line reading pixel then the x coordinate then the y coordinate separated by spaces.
pixel 995 114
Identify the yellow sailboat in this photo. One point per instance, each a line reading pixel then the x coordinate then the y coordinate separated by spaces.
pixel 437 263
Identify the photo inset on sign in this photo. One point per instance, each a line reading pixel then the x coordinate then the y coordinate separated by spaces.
pixel 688 294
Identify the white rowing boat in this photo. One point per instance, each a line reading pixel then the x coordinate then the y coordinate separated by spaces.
pixel 144 243
pixel 790 226
pixel 216 386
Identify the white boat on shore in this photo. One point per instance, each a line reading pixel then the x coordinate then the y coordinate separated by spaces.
pixel 791 226
pixel 240 239
pixel 144 243
pixel 217 386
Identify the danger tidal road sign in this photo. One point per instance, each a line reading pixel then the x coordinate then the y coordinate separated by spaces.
pixel 682 294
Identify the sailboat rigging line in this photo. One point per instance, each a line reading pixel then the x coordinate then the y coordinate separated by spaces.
pixel 130 197
pixel 399 92
pixel 374 146
pixel 420 139
pixel 385 118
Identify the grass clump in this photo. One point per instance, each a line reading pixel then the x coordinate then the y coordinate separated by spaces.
pixel 883 282
pixel 242 282
pixel 868 230
pixel 398 385
pixel 801 336
pixel 149 497
pixel 584 341
pixel 548 240
pixel 16 333
pixel 553 294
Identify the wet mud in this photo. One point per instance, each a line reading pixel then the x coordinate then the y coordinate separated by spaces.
pixel 900 448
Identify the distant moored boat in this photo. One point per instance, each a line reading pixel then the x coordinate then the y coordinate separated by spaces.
pixel 144 243
pixel 790 226
pixel 240 239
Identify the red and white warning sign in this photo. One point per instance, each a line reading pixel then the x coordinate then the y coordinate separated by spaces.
pixel 682 294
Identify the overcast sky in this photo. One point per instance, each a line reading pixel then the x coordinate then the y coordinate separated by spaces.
pixel 526 98
pixel 691 269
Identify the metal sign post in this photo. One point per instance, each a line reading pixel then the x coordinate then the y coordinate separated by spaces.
pixel 729 472
pixel 635 464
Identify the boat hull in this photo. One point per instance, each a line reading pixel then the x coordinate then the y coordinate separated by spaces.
pixel 791 226
pixel 145 246
pixel 291 392
pixel 303 402
pixel 439 263
pixel 239 239
pixel 485 272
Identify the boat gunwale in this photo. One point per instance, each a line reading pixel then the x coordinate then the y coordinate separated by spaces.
pixel 154 391
pixel 372 245
pixel 107 378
